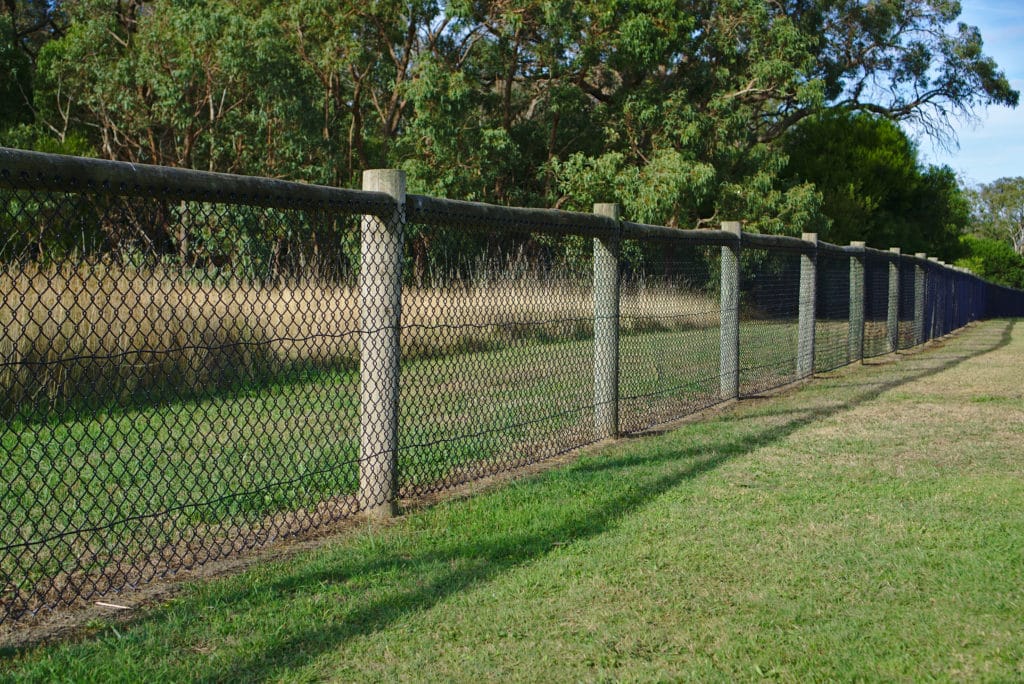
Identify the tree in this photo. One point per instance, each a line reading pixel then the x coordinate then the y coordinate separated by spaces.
pixel 993 260
pixel 25 27
pixel 33 23
pixel 904 60
pixel 210 86
pixel 999 211
pixel 15 79
pixel 676 109
pixel 873 187
pixel 719 94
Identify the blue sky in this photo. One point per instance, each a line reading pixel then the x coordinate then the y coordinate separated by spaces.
pixel 994 147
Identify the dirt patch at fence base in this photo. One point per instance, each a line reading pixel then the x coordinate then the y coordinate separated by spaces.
pixel 140 584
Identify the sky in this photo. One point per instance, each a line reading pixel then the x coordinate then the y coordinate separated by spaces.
pixel 994 147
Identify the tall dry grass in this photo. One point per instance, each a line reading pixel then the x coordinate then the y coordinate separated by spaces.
pixel 98 334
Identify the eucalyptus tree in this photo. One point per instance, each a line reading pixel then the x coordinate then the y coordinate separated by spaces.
pixel 195 84
pixel 676 108
pixel 999 211
pixel 715 98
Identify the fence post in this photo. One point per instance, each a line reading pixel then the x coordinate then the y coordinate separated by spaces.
pixel 805 324
pixel 892 323
pixel 947 299
pixel 936 298
pixel 729 308
pixel 855 338
pixel 606 328
pixel 380 305
pixel 919 293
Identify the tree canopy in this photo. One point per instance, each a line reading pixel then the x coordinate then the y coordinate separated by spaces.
pixel 873 187
pixel 999 211
pixel 677 109
pixel 993 260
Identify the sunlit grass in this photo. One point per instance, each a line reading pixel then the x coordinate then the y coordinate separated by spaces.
pixel 864 527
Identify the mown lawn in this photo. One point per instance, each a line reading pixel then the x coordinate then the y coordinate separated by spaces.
pixel 866 526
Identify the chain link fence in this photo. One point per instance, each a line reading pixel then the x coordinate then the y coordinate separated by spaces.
pixel 832 315
pixel 769 317
pixel 194 364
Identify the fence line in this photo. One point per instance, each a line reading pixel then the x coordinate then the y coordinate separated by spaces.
pixel 193 364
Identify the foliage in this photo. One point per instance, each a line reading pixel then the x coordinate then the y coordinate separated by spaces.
pixel 186 84
pixel 25 26
pixel 15 80
pixel 999 211
pixel 993 260
pixel 675 109
pixel 873 187
pixel 899 59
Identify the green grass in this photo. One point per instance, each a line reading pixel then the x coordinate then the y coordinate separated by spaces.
pixel 244 453
pixel 864 527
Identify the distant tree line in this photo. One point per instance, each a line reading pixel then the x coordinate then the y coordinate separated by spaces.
pixel 786 115
pixel 994 248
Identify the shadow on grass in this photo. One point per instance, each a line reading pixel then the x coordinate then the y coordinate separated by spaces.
pixel 321 604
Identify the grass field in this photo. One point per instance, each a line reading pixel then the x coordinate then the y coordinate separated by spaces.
pixel 144 478
pixel 866 526
pixel 147 408
pixel 88 334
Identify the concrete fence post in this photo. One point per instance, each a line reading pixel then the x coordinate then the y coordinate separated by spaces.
pixel 937 306
pixel 729 307
pixel 892 322
pixel 805 324
pixel 606 328
pixel 947 298
pixel 380 305
pixel 855 337
pixel 919 294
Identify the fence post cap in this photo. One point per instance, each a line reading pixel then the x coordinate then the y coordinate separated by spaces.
pixel 390 181
pixel 921 255
pixel 734 227
pixel 376 173
pixel 858 243
pixel 810 237
pixel 610 209
pixel 895 250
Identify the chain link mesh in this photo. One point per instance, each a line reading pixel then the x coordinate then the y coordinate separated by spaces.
pixel 909 329
pixel 876 305
pixel 187 373
pixel 832 315
pixel 769 309
pixel 497 352
pixel 669 332
pixel 179 382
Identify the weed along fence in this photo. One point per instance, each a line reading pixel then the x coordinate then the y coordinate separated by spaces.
pixel 195 364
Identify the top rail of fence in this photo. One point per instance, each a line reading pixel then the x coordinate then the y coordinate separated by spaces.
pixel 28 170
pixel 25 170
pixel 482 216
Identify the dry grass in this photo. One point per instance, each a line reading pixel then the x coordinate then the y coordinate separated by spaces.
pixel 98 332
